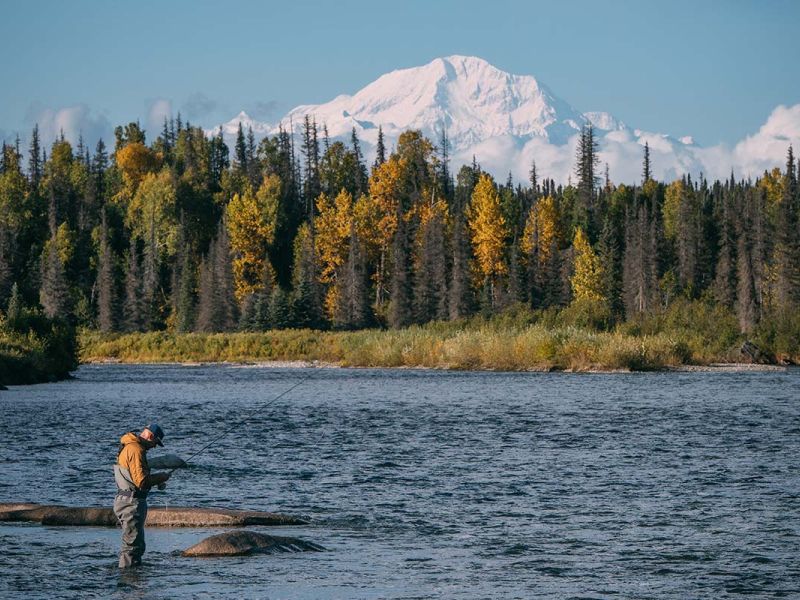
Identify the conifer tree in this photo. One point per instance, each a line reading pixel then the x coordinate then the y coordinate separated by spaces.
pixel 217 309
pixel 587 179
pixel 400 304
pixel 430 281
pixel 611 259
pixel 280 313
pixel 306 292
pixel 310 150
pixel 35 161
pixel 352 307
pixel 106 319
pixel 787 249
pixel 240 150
pixel 646 172
pixel 380 149
pixel 134 308
pixel 360 169
pixel 54 293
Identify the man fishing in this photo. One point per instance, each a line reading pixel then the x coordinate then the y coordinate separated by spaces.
pixel 134 481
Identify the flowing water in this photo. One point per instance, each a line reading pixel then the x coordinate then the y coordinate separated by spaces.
pixel 423 484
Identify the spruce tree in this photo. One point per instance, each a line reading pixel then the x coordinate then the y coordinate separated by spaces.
pixel 587 162
pixel 35 160
pixel 646 172
pixel 134 311
pixel 400 304
pixel 306 290
pixel 430 281
pixel 106 304
pixel 54 290
pixel 352 307
pixel 787 249
pixel 380 149
pixel 280 312
pixel 240 150
pixel 360 174
pixel 217 308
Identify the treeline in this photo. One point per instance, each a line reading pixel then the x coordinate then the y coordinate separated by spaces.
pixel 183 234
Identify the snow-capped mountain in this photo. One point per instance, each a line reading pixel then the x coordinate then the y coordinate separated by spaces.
pixel 506 121
pixel 231 128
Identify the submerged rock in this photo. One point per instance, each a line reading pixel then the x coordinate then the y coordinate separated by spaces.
pixel 244 543
pixel 166 461
pixel 157 516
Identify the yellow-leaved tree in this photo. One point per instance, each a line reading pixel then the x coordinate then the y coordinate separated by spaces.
pixel 540 244
pixel 332 241
pixel 672 208
pixel 135 160
pixel 488 228
pixel 379 213
pixel 151 214
pixel 587 275
pixel 252 220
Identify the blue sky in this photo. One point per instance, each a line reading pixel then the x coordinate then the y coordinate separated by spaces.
pixel 714 70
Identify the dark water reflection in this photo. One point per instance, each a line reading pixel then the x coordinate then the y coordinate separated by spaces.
pixel 424 484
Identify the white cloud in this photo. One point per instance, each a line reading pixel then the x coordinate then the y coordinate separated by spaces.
pixel 767 148
pixel 623 150
pixel 73 121
pixel 157 110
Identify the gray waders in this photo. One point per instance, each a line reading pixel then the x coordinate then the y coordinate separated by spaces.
pixel 130 507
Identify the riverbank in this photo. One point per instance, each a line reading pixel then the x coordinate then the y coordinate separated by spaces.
pixel 35 349
pixel 490 346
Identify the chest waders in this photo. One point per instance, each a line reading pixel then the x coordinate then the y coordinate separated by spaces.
pixel 130 508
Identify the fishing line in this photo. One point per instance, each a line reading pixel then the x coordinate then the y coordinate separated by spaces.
pixel 243 421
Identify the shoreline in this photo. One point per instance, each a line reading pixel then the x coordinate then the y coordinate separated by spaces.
pixel 306 364
pixel 534 348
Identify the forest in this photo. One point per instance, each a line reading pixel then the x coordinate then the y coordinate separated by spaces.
pixel 181 234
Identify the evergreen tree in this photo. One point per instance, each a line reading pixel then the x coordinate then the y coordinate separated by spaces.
pixel 240 150
pixel 380 149
pixel 430 281
pixel 787 234
pixel 646 173
pixel 310 150
pixel 134 308
pixel 306 291
pixel 400 306
pixel 54 294
pixel 280 311
pixel 35 160
pixel 584 212
pixel 352 308
pixel 445 180
pixel 360 169
pixel 106 319
pixel 217 309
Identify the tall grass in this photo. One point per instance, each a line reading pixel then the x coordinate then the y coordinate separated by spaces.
pixel 534 347
pixel 578 338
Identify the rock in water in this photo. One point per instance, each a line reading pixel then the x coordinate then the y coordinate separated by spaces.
pixel 166 461
pixel 157 516
pixel 244 543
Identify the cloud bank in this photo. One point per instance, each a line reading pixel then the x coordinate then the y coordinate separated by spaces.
pixel 73 121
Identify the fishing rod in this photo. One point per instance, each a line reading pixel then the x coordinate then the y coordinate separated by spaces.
pixel 242 421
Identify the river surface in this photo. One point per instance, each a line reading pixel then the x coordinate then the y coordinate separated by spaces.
pixel 422 484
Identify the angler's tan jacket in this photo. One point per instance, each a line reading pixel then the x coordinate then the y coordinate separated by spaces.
pixel 132 462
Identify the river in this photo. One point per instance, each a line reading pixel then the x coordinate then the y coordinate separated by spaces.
pixel 422 484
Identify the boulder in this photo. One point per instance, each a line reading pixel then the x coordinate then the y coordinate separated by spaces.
pixel 157 516
pixel 166 461
pixel 245 543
